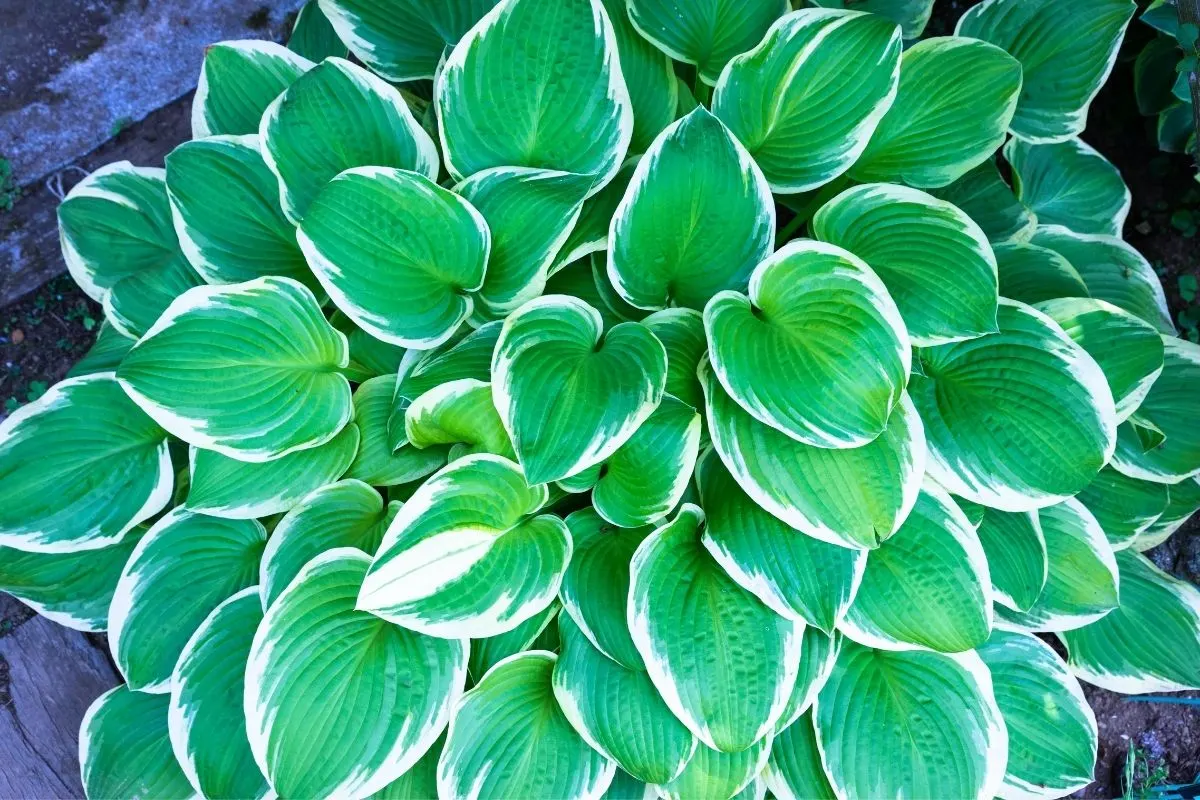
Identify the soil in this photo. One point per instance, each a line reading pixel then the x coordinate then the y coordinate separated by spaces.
pixel 43 334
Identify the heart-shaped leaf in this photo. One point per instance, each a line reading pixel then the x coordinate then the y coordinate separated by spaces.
pixel 795 575
pixel 1066 49
pixel 537 83
pixel 453 565
pixel 312 34
pixel 542 755
pixel 238 80
pixel 1150 643
pixel 1069 184
pixel 1052 734
pixel 1081 580
pixel 808 97
pixel 183 568
pixel 707 33
pixel 1170 408
pixel 125 750
pixel 262 375
pixel 79 468
pixel 953 106
pixel 723 661
pixel 818 349
pixel 205 718
pixel 906 706
pixel 853 498
pixel 696 218
pixel 934 260
pixel 398 695
pixel 928 585
pixel 120 247
pixel 225 202
pixel 1113 271
pixel 225 487
pixel 403 40
pixel 338 116
pixel 372 228
pixel 344 514
pixel 1016 420
pixel 569 392
pixel 618 711
pixel 595 588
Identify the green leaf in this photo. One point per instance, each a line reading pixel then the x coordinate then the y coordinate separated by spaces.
pixel 618 711
pixel 537 83
pixel 909 238
pixel 377 463
pixel 73 588
pixel 205 718
pixel 458 412
pixel 1081 582
pixel 987 199
pixel 1151 643
pixel 1171 409
pixel 707 33
pixel 647 477
pixel 419 371
pixel 105 354
pixel 225 487
pixel 816 311
pixel 403 40
pixel 852 498
pixel 1069 184
pixel 125 751
pixel 795 575
pixel 953 106
pixel 419 782
pixel 571 393
pixel 712 773
pixel 466 557
pixel 397 253
pixel 681 331
pixel 1052 734
pixel 910 724
pixel 541 754
pixel 590 232
pixel 595 588
pixel 184 567
pixel 818 652
pixel 626 787
pixel 794 770
pixel 369 357
pixel 1128 350
pixel 336 117
pixel 1018 419
pixel 1016 554
pixel 724 663
pixel 313 36
pixel 344 514
pixel 1162 17
pixel 1032 274
pixel 910 15
pixel 79 468
pixel 119 245
pixel 648 73
pixel 1067 49
pixel 928 585
pixel 1183 500
pixel 696 218
pixel 396 698
pixel 808 97
pixel 225 203
pixel 249 370
pixel 1176 125
pixel 490 651
pixel 530 213
pixel 1153 72
pixel 238 81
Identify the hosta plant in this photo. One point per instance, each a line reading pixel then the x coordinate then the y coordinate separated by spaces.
pixel 581 398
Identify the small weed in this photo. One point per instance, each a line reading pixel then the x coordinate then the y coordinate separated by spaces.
pixel 1143 772
pixel 11 405
pixel 9 191
pixel 119 124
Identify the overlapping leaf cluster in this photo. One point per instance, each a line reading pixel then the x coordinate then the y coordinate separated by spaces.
pixel 1160 76
pixel 465 424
